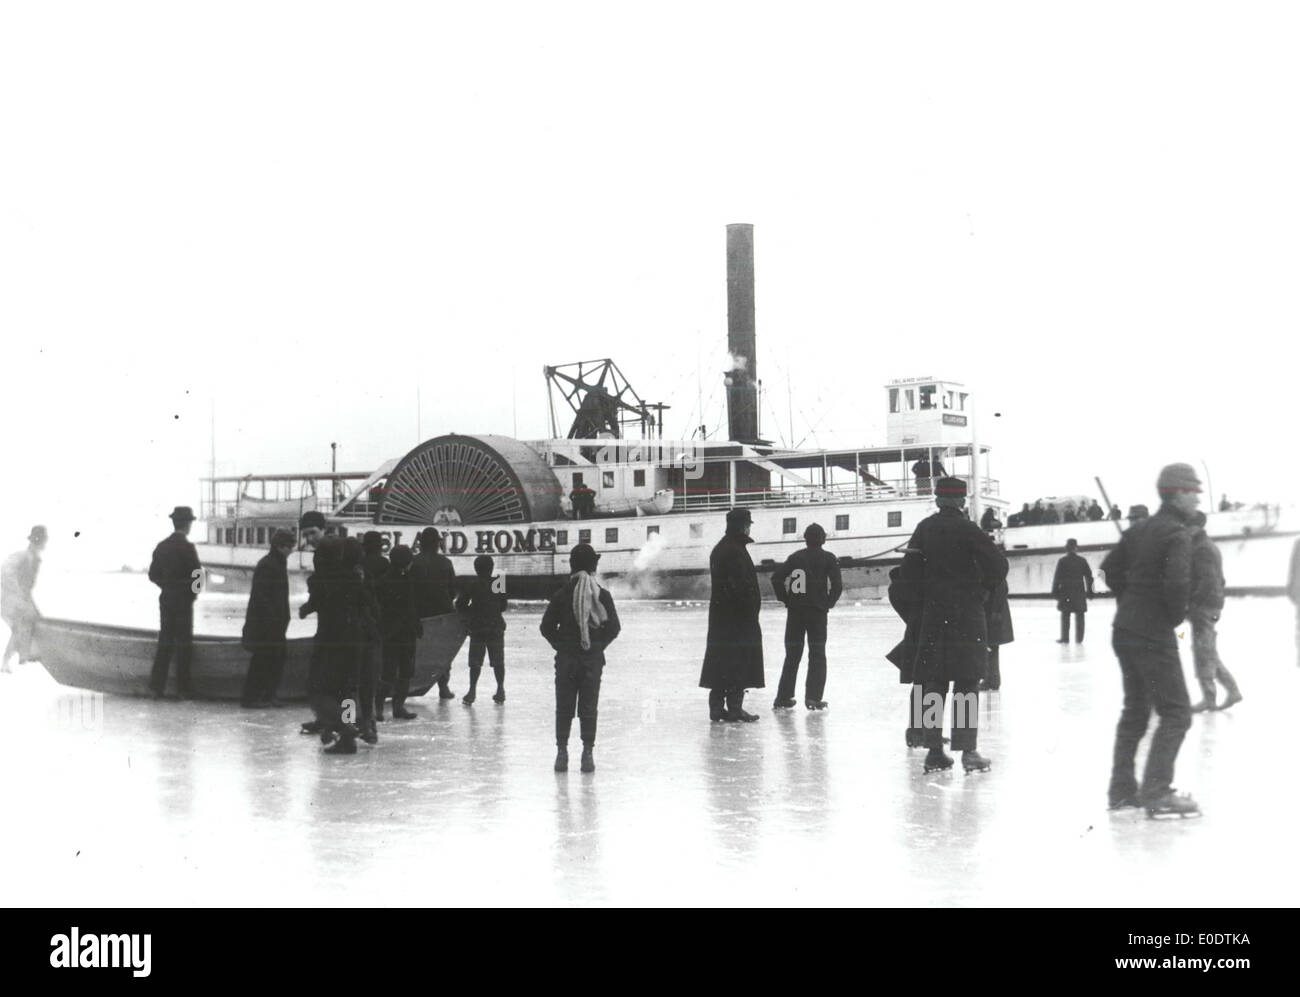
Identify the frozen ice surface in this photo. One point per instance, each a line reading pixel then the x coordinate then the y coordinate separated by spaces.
pixel 204 804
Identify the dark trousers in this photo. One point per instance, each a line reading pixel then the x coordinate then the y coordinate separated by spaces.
pixel 175 636
pixel 1078 627
pixel 804 622
pixel 926 718
pixel 1153 679
pixel 368 666
pixel 995 668
pixel 494 646
pixel 265 669
pixel 1205 653
pixel 577 690
pixel 399 669
pixel 337 679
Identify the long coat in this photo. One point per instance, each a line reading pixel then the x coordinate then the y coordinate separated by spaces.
pixel 997 615
pixel 267 617
pixel 1072 584
pixel 956 566
pixel 733 655
pixel 905 597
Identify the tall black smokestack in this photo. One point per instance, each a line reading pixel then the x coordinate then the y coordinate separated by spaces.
pixel 741 379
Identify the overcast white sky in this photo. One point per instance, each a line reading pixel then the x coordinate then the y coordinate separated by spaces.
pixel 300 213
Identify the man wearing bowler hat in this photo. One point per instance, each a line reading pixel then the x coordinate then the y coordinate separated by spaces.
pixel 1150 572
pixel 175 569
pixel 733 655
pixel 809 585
pixel 17 607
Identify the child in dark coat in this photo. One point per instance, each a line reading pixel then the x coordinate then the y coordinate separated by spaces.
pixel 482 602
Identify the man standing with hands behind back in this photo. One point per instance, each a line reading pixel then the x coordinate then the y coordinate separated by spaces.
pixel 175 569
pixel 809 585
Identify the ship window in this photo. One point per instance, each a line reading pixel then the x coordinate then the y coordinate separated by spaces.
pixel 638 478
pixel 841 522
pixel 239 535
pixel 214 533
pixel 230 534
pixel 909 396
pixel 611 534
pixel 928 392
pixel 894 519
pixel 893 399
pixel 584 536
pixel 947 399
pixel 261 534
pixel 697 530
pixel 651 531
pixel 789 526
pixel 577 479
pixel 607 479
pixel 562 538
pixel 961 400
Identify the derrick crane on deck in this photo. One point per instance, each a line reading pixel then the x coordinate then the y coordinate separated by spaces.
pixel 602 400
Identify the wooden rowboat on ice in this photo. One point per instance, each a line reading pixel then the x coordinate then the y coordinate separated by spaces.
pixel 119 659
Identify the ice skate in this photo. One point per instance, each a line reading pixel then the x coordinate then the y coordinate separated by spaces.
pixel 1173 804
pixel 1233 698
pixel 741 716
pixel 343 746
pixel 1124 803
pixel 936 760
pixel 370 736
pixel 973 761
pixel 402 713
pixel 469 697
pixel 783 704
pixel 499 696
pixel 562 760
pixel 445 693
pixel 588 763
pixel 1203 706
pixel 816 704
pixel 311 727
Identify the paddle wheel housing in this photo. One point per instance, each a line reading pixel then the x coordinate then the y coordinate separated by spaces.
pixel 453 480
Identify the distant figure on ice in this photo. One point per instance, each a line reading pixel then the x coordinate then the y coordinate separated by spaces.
pixel 1150 572
pixel 175 569
pixel 1204 606
pixel 733 655
pixel 1293 590
pixel 483 602
pixel 401 628
pixel 435 588
pixel 1071 586
pixel 955 566
pixel 266 622
pixel 579 623
pixel 997 619
pixel 809 585
pixel 17 607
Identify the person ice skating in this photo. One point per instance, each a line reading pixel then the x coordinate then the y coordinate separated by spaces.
pixel 1072 587
pixel 369 647
pixel 1204 606
pixel 17 607
pixel 1150 572
pixel 580 622
pixel 266 622
pixel 435 588
pixel 483 602
pixel 733 655
pixel 311 531
pixel 997 620
pixel 809 585
pixel 955 566
pixel 335 596
pixel 401 629
pixel 175 569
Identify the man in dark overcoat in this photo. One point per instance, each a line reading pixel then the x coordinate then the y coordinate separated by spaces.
pixel 266 622
pixel 733 656
pixel 434 578
pixel 906 598
pixel 1071 586
pixel 997 618
pixel 1150 572
pixel 175 569
pixel 956 565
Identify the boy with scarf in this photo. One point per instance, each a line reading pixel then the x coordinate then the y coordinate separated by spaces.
pixel 579 624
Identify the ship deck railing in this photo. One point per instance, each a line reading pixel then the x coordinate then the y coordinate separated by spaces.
pixel 837 493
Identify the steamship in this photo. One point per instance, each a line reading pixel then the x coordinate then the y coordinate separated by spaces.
pixel 654 508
